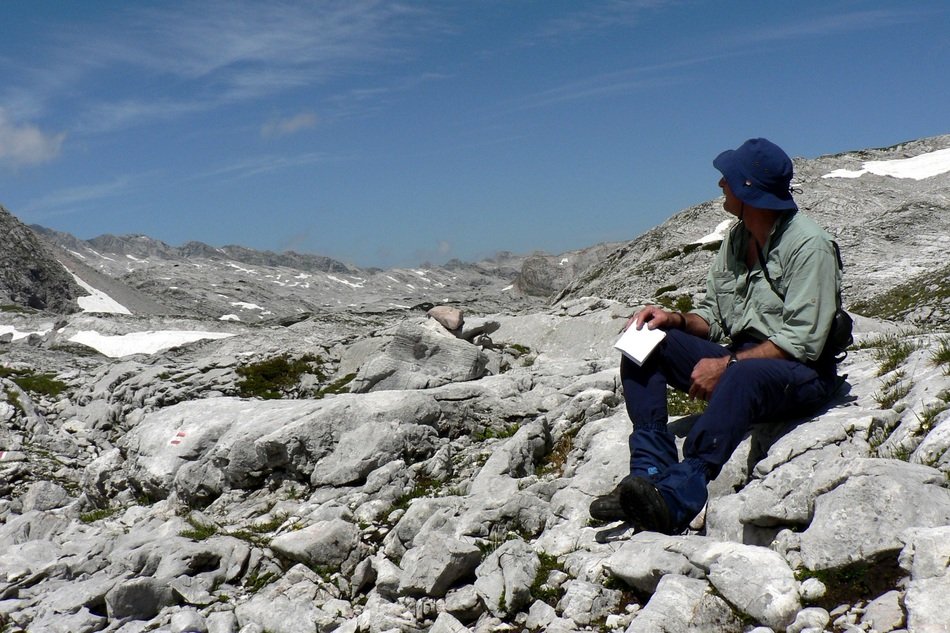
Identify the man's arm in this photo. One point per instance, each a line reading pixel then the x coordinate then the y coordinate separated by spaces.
pixel 656 317
pixel 708 371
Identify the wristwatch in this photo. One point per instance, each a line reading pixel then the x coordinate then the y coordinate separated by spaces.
pixel 733 359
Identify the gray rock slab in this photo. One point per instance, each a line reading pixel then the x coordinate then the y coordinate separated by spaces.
pixel 138 598
pixel 431 568
pixel 515 458
pixel 447 623
pixel 80 621
pixel 45 495
pixel 540 614
pixel 862 518
pixel 926 604
pixel 685 605
pixel 586 602
pixel 188 621
pixel 323 544
pixel 832 427
pixel 245 439
pixel 420 356
pixel 755 580
pixel 504 578
pixel 885 612
pixel 290 605
pixel 464 603
pixel 927 552
pixel 644 559
pixel 222 622
pixel 368 446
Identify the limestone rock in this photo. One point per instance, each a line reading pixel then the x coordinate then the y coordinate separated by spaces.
pixel 685 605
pixel 138 598
pixel 646 558
pixel 756 580
pixel 45 495
pixel 885 613
pixel 325 544
pixel 504 578
pixel 587 602
pixel 863 517
pixel 421 357
pixel 431 568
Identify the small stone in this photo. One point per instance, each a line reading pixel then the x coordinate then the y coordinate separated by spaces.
pixel 188 621
pixel 540 615
pixel 812 589
pixel 810 618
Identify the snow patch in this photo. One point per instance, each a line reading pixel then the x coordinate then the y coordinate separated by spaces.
pixel 917 167
pixel 242 269
pixel 718 234
pixel 17 334
pixel 148 342
pixel 348 283
pixel 244 305
pixel 229 317
pixel 96 300
pixel 101 256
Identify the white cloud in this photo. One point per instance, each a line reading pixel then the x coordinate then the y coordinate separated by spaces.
pixel 26 144
pixel 290 125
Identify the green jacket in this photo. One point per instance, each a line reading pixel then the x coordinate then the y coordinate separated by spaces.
pixel 803 266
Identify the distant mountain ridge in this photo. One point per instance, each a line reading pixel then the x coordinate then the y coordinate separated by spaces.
pixel 892 231
pixel 142 246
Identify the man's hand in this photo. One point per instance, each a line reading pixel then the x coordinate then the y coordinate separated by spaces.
pixel 655 317
pixel 705 377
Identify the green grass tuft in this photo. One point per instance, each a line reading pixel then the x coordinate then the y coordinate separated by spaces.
pixel 27 380
pixel 277 377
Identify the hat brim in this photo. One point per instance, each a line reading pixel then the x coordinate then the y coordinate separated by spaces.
pixel 743 188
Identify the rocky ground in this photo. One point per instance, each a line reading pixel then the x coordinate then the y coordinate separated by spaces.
pixel 412 480
pixel 328 458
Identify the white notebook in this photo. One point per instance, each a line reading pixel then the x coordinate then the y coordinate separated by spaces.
pixel 637 344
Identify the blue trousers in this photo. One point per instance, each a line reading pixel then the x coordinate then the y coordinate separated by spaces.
pixel 749 392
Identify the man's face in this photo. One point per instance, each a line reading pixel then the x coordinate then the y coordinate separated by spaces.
pixel 731 204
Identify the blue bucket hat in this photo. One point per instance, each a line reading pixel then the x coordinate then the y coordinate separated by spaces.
pixel 759 174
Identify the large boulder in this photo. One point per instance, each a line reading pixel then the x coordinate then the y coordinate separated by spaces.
pixel 421 356
pixel 863 507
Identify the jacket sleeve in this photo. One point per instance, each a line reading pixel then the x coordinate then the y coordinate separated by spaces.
pixel 709 308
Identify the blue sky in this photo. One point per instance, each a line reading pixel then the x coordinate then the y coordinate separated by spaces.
pixel 392 133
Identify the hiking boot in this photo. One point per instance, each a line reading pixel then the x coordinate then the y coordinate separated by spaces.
pixel 644 506
pixel 607 507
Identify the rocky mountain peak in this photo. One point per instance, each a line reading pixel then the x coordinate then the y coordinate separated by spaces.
pixel 29 275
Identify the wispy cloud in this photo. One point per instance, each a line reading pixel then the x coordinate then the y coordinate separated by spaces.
pixel 591 18
pixel 256 165
pixel 200 56
pixel 815 25
pixel 24 144
pixel 67 200
pixel 611 83
pixel 288 125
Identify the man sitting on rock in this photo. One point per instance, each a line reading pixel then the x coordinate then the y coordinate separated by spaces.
pixel 772 291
